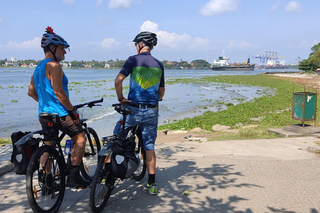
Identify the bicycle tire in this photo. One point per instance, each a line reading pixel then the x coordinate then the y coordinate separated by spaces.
pixel 45 189
pixel 141 154
pixel 102 185
pixel 89 161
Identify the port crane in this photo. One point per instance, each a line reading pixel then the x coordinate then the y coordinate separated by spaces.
pixel 268 55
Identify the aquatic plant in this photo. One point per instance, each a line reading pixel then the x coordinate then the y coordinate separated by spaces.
pixel 266 106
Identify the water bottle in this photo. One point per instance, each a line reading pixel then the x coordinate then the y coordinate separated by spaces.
pixel 68 147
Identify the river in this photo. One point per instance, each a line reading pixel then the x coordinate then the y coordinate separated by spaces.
pixel 19 112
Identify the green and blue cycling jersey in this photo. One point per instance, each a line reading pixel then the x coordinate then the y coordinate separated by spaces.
pixel 146 76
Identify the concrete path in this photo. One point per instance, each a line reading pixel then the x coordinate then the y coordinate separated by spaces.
pixel 266 175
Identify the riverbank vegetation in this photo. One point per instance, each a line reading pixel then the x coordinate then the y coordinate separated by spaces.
pixel 110 64
pixel 4 141
pixel 270 111
pixel 313 62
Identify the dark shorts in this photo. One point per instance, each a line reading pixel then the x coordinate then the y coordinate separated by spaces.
pixel 64 124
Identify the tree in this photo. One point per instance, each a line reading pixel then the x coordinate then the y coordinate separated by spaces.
pixel 200 64
pixel 313 62
pixel 306 66
pixel 315 58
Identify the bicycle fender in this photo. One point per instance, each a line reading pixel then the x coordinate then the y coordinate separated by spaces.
pixel 25 138
pixel 105 150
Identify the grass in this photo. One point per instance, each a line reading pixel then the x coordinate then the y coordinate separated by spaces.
pixel 4 141
pixel 259 132
pixel 274 110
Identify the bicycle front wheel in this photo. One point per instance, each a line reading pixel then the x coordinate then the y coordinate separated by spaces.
pixel 45 180
pixel 141 154
pixel 90 158
pixel 102 185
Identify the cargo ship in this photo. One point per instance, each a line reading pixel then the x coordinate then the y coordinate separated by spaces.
pixel 221 64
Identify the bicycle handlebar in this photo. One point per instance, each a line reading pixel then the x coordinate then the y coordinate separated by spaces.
pixel 122 109
pixel 89 104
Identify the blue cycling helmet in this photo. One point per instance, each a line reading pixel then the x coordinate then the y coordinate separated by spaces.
pixel 51 38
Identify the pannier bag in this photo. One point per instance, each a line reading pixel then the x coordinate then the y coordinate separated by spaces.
pixel 22 153
pixel 124 161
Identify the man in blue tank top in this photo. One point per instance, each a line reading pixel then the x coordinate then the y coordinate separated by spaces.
pixel 146 89
pixel 49 87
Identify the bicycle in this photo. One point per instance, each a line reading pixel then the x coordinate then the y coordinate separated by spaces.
pixel 104 181
pixel 48 167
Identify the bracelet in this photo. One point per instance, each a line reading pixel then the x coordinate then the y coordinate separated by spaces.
pixel 120 99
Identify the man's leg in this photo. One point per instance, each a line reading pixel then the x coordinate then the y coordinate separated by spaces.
pixel 151 165
pixel 78 149
pixel 74 178
pixel 149 135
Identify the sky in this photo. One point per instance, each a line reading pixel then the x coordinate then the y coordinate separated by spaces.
pixel 186 29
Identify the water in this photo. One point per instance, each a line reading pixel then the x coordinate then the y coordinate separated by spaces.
pixel 19 112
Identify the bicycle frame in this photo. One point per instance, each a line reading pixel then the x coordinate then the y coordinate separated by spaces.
pixel 48 181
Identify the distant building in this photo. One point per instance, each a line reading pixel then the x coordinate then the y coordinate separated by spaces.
pixel 31 65
pixel 89 65
pixel 107 65
pixel 8 64
pixel 66 65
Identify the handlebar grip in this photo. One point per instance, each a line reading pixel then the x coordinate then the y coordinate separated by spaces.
pixel 90 104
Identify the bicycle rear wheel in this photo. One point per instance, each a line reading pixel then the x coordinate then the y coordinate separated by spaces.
pixel 102 185
pixel 141 154
pixel 45 180
pixel 90 158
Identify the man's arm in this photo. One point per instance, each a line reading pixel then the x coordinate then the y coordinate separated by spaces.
pixel 55 75
pixel 161 92
pixel 118 86
pixel 32 90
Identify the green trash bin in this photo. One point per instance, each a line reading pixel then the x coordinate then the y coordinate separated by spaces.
pixel 304 105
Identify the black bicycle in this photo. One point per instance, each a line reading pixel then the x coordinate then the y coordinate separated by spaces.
pixel 104 181
pixel 48 166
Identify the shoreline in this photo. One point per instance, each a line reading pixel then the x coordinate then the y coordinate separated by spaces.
pixel 309 80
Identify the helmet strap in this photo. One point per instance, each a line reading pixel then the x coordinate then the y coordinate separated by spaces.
pixel 54 52
pixel 140 48
pixel 143 45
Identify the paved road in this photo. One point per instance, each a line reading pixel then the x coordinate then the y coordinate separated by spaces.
pixel 274 175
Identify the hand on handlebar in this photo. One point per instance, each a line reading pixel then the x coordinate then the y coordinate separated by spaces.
pixel 124 101
pixel 74 114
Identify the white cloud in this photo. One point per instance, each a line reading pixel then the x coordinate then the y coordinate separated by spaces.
pixel 217 7
pixel 275 6
pixel 174 40
pixel 149 26
pixel 99 2
pixel 1 20
pixel 293 7
pixel 68 1
pixel 241 45
pixel 304 44
pixel 124 4
pixel 199 42
pixel 109 42
pixel 30 44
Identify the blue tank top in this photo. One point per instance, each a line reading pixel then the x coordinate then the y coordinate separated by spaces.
pixel 48 101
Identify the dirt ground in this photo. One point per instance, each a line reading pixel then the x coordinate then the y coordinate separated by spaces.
pixel 182 137
pixel 310 81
